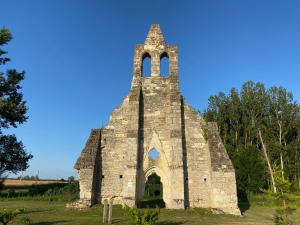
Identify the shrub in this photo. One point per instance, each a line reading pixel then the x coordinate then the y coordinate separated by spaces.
pixel 6 215
pixel 143 217
pixel 47 192
pixel 283 198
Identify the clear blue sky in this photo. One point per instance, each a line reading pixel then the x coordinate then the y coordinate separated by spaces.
pixel 78 57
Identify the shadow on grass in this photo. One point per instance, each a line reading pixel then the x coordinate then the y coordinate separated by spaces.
pixel 53 222
pixel 169 223
pixel 152 203
pixel 243 206
pixel 243 201
pixel 36 211
pixel 119 221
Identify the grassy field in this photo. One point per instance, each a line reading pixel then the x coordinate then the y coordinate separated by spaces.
pixel 42 213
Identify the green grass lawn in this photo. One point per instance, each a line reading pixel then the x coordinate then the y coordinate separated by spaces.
pixel 42 213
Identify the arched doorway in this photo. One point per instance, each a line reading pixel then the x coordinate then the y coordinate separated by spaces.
pixel 153 193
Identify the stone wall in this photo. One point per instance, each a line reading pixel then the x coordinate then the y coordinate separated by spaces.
pixel 198 160
pixel 224 193
pixel 89 167
pixel 194 167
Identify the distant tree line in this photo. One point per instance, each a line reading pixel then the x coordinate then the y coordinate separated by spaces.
pixel 260 128
pixel 27 177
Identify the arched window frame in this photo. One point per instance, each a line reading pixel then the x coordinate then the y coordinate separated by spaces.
pixel 144 56
pixel 164 55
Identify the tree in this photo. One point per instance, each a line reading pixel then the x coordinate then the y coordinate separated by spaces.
pixel 71 179
pixel 235 116
pixel 254 98
pixel 13 156
pixel 284 200
pixel 260 128
pixel 283 115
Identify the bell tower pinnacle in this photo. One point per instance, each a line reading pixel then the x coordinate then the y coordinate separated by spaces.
pixel 155 48
pixel 155 36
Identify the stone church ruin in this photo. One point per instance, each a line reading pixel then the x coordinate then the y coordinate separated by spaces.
pixel 193 165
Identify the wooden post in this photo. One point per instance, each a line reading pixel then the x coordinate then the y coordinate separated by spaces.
pixel 105 208
pixel 110 211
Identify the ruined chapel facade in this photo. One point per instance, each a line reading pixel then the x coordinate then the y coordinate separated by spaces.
pixel 193 164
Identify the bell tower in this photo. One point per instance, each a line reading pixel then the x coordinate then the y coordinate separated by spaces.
pixel 155 48
pixel 159 125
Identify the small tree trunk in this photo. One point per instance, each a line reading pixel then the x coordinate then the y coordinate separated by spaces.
pixel 280 142
pixel 281 163
pixel 268 161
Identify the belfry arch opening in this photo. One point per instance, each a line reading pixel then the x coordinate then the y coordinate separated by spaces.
pixel 164 65
pixel 146 65
pixel 153 193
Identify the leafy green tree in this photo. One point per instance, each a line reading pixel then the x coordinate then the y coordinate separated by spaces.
pixel 250 169
pixel 283 115
pixel 253 99
pixel 260 127
pixel 284 200
pixel 217 112
pixel 13 157
pixel 71 179
pixel 235 116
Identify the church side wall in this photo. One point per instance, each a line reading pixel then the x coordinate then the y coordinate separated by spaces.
pixel 85 177
pixel 88 166
pixel 119 159
pixel 224 193
pixel 119 152
pixel 198 160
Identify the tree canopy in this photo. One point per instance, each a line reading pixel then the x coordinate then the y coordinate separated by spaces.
pixel 13 156
pixel 260 128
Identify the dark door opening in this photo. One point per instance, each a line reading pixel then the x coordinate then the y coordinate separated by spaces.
pixel 153 195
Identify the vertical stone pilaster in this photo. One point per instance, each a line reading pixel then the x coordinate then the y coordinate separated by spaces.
pixel 155 64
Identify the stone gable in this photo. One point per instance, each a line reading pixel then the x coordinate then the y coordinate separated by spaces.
pixel 193 164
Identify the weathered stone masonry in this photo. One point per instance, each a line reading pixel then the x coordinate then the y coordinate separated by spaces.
pixel 193 164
